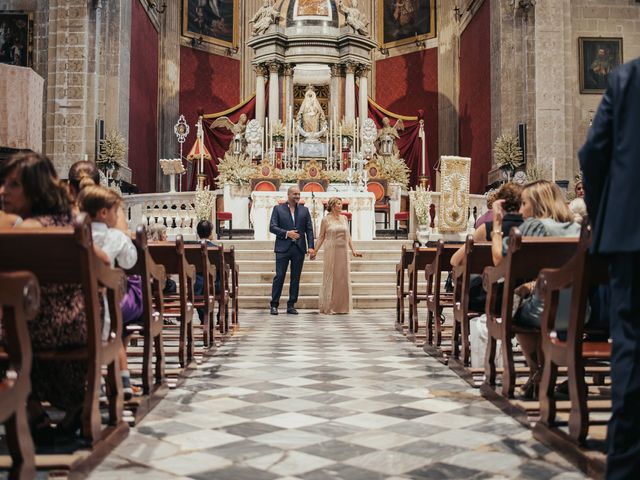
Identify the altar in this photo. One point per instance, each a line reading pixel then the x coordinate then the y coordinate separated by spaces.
pixel 361 206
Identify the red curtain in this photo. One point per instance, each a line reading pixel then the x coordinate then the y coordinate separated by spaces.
pixel 409 142
pixel 218 140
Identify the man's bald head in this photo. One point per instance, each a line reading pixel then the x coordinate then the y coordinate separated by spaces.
pixel 293 196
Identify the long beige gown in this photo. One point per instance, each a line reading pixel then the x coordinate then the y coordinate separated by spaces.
pixel 335 293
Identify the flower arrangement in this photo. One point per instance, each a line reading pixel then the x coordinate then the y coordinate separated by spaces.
pixel 337 176
pixel 507 153
pixel 289 175
pixel 112 151
pixel 536 172
pixel 235 169
pixel 421 200
pixel 277 130
pixel 204 203
pixel 395 169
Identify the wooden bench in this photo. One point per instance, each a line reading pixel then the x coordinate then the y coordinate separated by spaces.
pixel 406 257
pixel 217 258
pixel 233 276
pixel 75 262
pixel 196 255
pixel 477 256
pixel 581 273
pixel 152 278
pixel 437 300
pixel 526 256
pixel 172 257
pixel 19 301
pixel 422 256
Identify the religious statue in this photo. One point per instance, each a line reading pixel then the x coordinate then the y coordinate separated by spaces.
pixel 387 136
pixel 311 119
pixel 353 16
pixel 237 144
pixel 254 136
pixel 368 134
pixel 265 16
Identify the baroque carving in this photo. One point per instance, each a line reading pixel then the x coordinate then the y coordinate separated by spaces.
pixel 454 199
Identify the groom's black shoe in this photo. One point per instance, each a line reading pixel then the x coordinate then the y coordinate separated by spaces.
pixel 292 311
pixel 274 310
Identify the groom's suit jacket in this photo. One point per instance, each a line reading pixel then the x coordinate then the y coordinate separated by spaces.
pixel 281 222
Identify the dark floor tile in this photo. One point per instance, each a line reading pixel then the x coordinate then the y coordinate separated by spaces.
pixel 434 451
pixel 538 470
pixel 162 430
pixel 328 398
pixel 254 412
pixel 325 377
pixel 260 397
pixel 406 413
pixel 243 450
pixel 326 387
pixel 336 450
pixel 441 471
pixel 250 429
pixel 342 472
pixel 235 473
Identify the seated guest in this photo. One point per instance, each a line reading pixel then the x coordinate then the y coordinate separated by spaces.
pixel 579 189
pixel 8 220
pixel 158 233
pixel 578 208
pixel 546 215
pixel 30 188
pixel 488 215
pixel 204 230
pixel 109 231
pixel 77 172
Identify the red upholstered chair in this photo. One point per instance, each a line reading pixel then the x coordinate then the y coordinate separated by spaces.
pixel 378 187
pixel 348 216
pixel 309 185
pixel 224 217
pixel 400 217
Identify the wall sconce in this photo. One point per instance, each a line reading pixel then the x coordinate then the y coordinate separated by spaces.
pixel 232 51
pixel 420 43
pixel 154 6
pixel 591 115
pixel 196 41
pixel 384 51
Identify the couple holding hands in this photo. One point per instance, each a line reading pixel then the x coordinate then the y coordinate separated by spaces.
pixel 291 224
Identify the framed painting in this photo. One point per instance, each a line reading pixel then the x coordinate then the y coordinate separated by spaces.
pixel 598 57
pixel 405 21
pixel 213 21
pixel 16 37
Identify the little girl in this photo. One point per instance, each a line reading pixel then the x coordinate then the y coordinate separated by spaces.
pixel 108 230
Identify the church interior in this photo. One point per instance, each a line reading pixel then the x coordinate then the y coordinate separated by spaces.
pixel 420 117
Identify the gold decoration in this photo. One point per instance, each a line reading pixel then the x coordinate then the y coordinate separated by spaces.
pixel 112 151
pixel 420 199
pixel 235 169
pixel 454 199
pixel 395 170
pixel 312 170
pixel 204 203
pixel 507 152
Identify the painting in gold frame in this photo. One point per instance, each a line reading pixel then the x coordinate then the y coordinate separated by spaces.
pixel 598 57
pixel 405 21
pixel 213 21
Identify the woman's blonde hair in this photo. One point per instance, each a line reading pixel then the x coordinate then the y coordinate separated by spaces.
pixel 547 201
pixel 333 201
pixel 93 198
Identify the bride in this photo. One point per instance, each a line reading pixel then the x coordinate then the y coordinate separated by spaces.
pixel 335 293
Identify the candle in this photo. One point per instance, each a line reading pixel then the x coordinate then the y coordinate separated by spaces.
pixel 423 152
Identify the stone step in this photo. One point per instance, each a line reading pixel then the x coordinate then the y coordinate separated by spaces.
pixel 311 302
pixel 357 265
pixel 313 288
pixel 316 276
pixel 267 245
pixel 388 255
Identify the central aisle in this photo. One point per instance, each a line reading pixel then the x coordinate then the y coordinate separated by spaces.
pixel 327 397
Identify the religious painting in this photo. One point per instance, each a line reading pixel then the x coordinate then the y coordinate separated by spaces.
pixel 212 21
pixel 402 22
pixel 16 37
pixel 313 8
pixel 598 57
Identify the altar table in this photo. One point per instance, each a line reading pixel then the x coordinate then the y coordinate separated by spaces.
pixel 361 206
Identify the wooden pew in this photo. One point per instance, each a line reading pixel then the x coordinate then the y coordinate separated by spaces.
pixel 477 256
pixel 217 258
pixel 196 255
pixel 526 256
pixel 406 257
pixel 582 272
pixel 233 276
pixel 437 300
pixel 75 262
pixel 152 282
pixel 172 257
pixel 422 256
pixel 19 301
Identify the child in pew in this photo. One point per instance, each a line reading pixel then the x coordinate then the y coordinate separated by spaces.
pixel 109 231
pixel 158 233
pixel 204 230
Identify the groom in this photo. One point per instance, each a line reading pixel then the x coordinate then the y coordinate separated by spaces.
pixel 287 221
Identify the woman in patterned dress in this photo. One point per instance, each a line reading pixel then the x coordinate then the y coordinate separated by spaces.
pixel 30 188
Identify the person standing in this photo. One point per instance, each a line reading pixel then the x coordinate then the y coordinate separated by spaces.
pixel 335 293
pixel 291 224
pixel 610 162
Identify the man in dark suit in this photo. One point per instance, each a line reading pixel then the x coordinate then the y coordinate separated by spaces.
pixel 610 161
pixel 287 221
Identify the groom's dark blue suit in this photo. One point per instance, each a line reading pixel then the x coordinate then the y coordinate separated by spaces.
pixel 288 250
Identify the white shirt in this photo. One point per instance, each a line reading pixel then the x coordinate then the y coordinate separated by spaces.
pixel 115 244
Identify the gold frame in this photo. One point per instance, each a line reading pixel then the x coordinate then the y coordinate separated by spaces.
pixel 206 38
pixel 581 54
pixel 408 40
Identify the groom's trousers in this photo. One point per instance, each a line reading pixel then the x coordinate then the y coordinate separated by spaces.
pixel 296 257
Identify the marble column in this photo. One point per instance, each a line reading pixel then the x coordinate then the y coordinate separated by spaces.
pixel 259 70
pixel 287 72
pixel 168 87
pixel 350 93
pixel 363 100
pixel 334 94
pixel 274 92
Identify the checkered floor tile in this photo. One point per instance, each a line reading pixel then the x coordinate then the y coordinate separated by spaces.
pixel 327 397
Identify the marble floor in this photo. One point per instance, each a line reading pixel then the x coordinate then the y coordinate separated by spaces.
pixel 319 397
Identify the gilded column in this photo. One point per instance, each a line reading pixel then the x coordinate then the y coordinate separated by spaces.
pixel 274 91
pixel 259 70
pixel 363 100
pixel 350 92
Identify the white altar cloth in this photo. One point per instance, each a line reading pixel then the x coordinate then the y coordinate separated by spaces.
pixel 361 206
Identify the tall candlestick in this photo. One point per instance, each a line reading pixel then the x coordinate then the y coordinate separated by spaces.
pixel 423 152
pixel 553 170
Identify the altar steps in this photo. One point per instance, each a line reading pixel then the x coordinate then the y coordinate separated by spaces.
pixel 373 277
